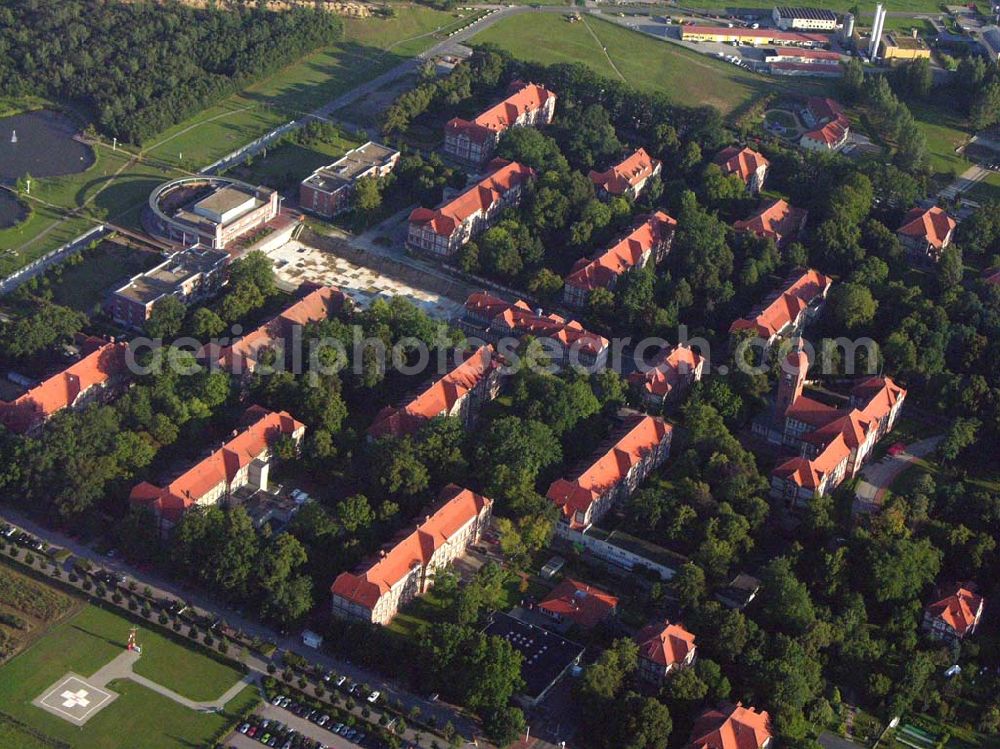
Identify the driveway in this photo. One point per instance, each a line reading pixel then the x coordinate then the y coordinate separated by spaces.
pixel 876 478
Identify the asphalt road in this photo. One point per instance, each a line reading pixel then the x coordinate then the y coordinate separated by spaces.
pixel 164 587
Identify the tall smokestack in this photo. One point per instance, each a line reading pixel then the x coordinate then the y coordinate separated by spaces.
pixel 876 31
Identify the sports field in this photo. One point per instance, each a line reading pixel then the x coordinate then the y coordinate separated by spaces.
pixel 138 716
pixel 640 60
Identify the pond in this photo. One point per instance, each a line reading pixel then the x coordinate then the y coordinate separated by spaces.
pixel 12 212
pixel 44 146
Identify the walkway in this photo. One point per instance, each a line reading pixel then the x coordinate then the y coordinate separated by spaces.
pixel 121 668
pixel 964 182
pixel 876 478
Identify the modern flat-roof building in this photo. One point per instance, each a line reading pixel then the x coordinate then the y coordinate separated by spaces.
pixel 188 275
pixel 474 141
pixel 754 37
pixel 546 656
pixel 896 46
pixel 328 191
pixel 443 230
pixel 245 460
pixel 210 211
pixel 377 591
pixel 100 369
pixel 804 19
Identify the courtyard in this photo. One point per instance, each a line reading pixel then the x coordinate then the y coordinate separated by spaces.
pixel 296 262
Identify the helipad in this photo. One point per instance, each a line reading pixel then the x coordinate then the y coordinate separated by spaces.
pixel 74 699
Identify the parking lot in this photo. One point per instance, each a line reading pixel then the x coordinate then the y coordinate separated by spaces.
pixel 296 262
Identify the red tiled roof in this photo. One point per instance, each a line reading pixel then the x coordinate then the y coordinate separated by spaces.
pixel 776 220
pixel 417 548
pixel 931 225
pixel 622 256
pixel 643 435
pixel 809 473
pixel 670 369
pixel 630 172
pixel 526 98
pixel 313 307
pixel 665 644
pixel 580 603
pixel 958 610
pixel 786 305
pixel 444 220
pixel 833 122
pixel 101 362
pixel 439 398
pixel 743 162
pixel 731 727
pixel 811 54
pixel 221 466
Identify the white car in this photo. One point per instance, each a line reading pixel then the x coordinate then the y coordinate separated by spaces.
pixel 373 697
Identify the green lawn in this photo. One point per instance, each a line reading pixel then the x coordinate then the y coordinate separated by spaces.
pixel 85 285
pixel 644 62
pixel 215 132
pixel 291 162
pixel 83 644
pixel 945 131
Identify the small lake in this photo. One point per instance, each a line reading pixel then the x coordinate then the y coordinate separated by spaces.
pixel 45 146
pixel 11 210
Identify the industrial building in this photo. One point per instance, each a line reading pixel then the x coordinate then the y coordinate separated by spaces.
pixel 898 47
pixel 804 19
pixel 753 37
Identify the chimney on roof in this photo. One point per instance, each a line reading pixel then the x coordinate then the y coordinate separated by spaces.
pixel 381 553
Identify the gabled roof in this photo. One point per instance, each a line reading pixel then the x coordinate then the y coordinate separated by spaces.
pixel 931 225
pixel 743 162
pixel 784 306
pixel 445 219
pixel 521 319
pixel 316 305
pixel 641 435
pixel 634 169
pixel 263 430
pixel 665 644
pixel 775 220
pixel 437 399
pixel 621 256
pixel 731 727
pixel 809 473
pixel 458 507
pixel 101 362
pixel 670 369
pixel 833 122
pixel 812 412
pixel 579 603
pixel 959 610
pixel 526 97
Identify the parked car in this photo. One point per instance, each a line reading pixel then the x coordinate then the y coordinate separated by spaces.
pixel 373 697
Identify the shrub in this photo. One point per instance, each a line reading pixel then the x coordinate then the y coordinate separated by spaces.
pixel 209 640
pixel 132 605
pixel 116 597
pixel 87 585
pixel 193 633
pixel 223 647
pixel 176 625
pixel 73 578
pixel 163 619
pixel 320 692
pixel 271 668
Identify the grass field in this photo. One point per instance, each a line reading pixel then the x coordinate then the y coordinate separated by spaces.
pixel 190 145
pixel 83 644
pixel 85 285
pixel 292 161
pixel 644 62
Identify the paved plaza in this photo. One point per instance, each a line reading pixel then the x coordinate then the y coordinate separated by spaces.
pixel 295 262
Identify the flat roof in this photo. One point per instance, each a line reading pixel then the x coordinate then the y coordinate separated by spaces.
pixel 904 42
pixel 811 14
pixel 226 199
pixel 777 34
pixel 346 169
pixel 636 545
pixel 171 273
pixel 546 654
